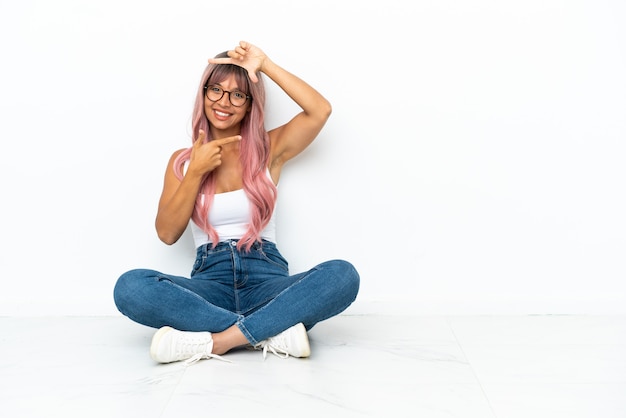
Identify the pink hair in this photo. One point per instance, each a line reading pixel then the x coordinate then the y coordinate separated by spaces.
pixel 254 155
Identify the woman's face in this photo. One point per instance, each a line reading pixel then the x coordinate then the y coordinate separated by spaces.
pixel 224 117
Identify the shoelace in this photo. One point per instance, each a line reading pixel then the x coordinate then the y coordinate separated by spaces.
pixel 273 345
pixel 197 357
pixel 200 350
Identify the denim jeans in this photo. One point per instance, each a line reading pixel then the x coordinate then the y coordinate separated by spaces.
pixel 253 290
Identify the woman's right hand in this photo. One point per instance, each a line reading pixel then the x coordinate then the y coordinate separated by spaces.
pixel 206 157
pixel 178 197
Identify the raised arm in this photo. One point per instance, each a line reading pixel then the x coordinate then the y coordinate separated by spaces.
pixel 293 137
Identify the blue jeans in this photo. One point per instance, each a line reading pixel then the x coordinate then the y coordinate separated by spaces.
pixel 250 289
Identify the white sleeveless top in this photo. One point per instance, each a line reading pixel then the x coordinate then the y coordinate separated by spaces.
pixel 230 216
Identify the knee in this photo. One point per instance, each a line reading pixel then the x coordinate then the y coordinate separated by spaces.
pixel 122 289
pixel 127 287
pixel 346 277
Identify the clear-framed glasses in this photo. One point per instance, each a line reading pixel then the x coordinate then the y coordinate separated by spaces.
pixel 215 93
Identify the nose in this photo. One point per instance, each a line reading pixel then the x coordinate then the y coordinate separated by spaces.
pixel 225 99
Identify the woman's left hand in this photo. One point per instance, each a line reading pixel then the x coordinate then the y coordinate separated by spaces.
pixel 246 56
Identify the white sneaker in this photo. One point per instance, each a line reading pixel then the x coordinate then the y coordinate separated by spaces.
pixel 169 345
pixel 291 342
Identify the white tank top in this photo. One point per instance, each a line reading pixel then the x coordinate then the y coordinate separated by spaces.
pixel 230 216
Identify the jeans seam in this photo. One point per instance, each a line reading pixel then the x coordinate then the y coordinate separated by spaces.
pixel 246 333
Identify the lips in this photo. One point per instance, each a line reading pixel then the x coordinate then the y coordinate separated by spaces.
pixel 221 115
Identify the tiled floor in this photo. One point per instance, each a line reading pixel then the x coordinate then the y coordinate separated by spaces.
pixel 361 366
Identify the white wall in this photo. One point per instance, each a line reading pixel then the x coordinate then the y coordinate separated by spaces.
pixel 474 161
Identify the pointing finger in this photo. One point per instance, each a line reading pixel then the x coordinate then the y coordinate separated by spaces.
pixel 224 141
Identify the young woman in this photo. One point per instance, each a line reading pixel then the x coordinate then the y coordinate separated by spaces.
pixel 240 292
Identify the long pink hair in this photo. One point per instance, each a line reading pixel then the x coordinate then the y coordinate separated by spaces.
pixel 254 155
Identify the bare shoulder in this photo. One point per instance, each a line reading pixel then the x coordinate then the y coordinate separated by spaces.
pixel 175 155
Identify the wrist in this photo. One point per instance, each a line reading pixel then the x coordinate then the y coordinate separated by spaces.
pixel 266 65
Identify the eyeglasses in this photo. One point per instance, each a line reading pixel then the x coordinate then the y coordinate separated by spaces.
pixel 215 93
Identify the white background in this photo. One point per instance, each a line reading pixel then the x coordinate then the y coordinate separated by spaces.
pixel 474 161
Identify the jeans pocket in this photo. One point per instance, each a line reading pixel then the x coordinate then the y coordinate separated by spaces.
pixel 198 265
pixel 274 257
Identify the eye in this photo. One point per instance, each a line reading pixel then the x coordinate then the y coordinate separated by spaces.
pixel 215 89
pixel 238 95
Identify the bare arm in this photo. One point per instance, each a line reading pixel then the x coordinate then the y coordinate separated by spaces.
pixel 290 139
pixel 178 197
pixel 293 137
